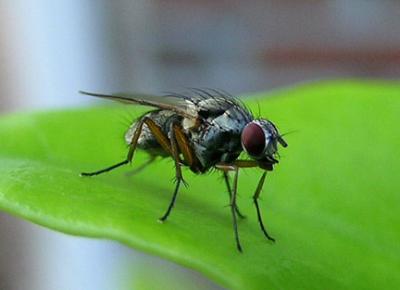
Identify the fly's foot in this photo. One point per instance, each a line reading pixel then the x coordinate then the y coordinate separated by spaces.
pixel 180 180
pixel 239 247
pixel 161 220
pixel 184 183
pixel 267 236
pixel 85 174
pixel 240 215
pixel 164 218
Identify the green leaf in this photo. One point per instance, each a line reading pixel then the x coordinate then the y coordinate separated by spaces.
pixel 332 203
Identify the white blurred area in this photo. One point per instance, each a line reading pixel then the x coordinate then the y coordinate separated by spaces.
pixel 51 49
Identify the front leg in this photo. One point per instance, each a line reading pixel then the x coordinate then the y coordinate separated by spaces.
pixel 255 198
pixel 233 208
pixel 235 167
pixel 228 187
pixel 266 167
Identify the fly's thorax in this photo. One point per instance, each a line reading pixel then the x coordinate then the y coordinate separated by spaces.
pixel 218 139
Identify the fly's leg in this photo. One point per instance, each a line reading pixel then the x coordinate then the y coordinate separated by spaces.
pixel 155 130
pixel 229 167
pixel 178 173
pixel 255 198
pixel 131 152
pixel 233 209
pixel 235 166
pixel 141 167
pixel 228 186
pixel 184 147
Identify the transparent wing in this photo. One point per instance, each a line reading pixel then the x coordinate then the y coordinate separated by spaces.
pixel 179 104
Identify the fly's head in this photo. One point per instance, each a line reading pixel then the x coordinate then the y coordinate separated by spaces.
pixel 260 140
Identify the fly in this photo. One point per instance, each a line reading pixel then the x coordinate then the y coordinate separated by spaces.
pixel 207 130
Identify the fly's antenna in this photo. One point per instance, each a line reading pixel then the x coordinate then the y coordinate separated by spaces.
pixel 288 133
pixel 280 137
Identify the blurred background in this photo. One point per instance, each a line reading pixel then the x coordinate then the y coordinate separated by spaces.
pixel 51 49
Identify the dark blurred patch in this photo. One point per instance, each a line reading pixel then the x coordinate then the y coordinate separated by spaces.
pixel 320 56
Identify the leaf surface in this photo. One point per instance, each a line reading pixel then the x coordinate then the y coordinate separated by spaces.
pixel 332 203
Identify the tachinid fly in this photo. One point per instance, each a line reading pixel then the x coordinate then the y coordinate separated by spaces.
pixel 204 130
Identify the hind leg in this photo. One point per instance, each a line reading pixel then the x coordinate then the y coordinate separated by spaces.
pixel 155 130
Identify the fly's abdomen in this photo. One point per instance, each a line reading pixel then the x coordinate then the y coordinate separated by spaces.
pixel 147 141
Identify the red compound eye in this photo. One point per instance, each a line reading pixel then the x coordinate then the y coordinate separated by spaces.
pixel 253 139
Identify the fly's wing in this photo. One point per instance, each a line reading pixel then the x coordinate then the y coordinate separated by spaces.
pixel 179 104
pixel 199 103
